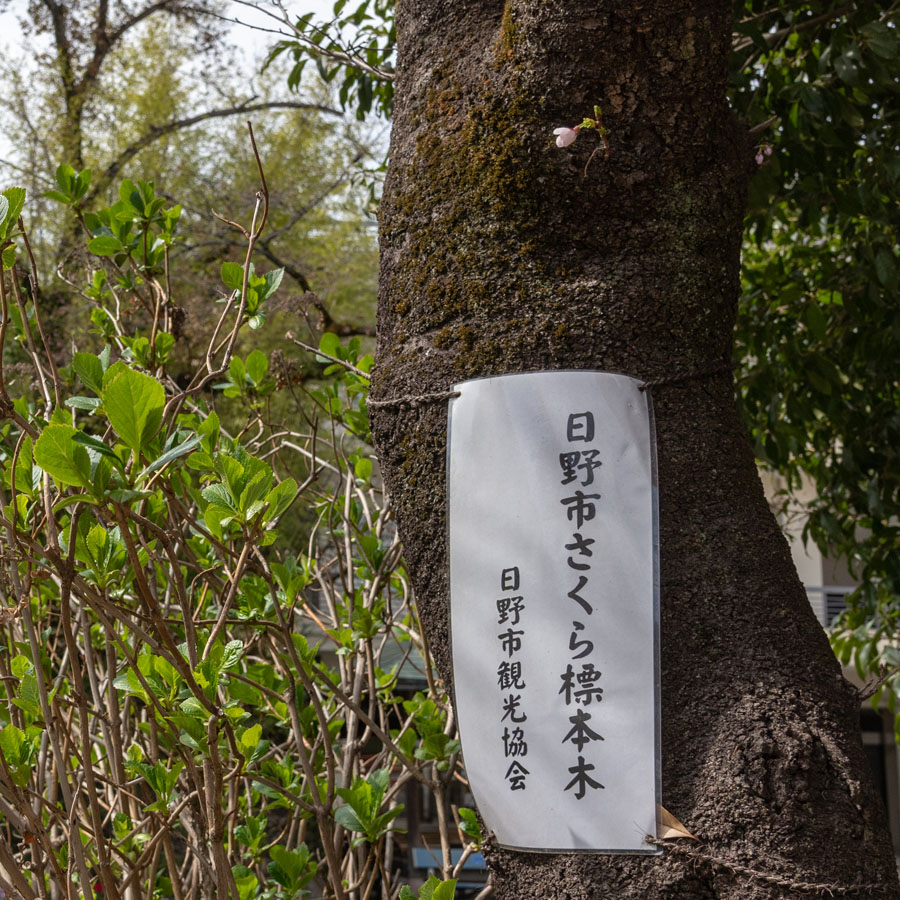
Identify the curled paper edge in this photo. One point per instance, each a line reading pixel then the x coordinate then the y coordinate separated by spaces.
pixel 669 828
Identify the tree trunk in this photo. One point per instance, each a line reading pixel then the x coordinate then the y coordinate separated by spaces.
pixel 503 253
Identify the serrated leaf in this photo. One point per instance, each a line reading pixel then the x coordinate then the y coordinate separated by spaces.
pixel 129 682
pixel 54 452
pixel 273 280
pixel 169 455
pixel 231 655
pixel 249 740
pixel 345 816
pixel 257 364
pixel 28 697
pixel 232 275
pixel 14 198
pixel 11 741
pixel 218 495
pixel 280 498
pixel 256 489
pixel 134 404
pixel 105 245
pixel 89 369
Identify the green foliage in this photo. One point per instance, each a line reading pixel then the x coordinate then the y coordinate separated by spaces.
pixel 133 403
pixel 362 804
pixel 470 826
pixel 366 37
pixel 292 869
pixel 12 200
pixel 72 185
pixel 433 889
pixel 212 591
pixel 818 331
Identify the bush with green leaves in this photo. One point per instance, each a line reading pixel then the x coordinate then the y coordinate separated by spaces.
pixel 206 607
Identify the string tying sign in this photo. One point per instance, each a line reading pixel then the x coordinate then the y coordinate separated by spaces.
pixel 554 607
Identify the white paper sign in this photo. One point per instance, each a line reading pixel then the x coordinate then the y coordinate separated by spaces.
pixel 554 607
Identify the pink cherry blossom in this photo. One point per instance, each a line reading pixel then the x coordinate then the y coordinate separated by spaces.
pixel 762 153
pixel 565 136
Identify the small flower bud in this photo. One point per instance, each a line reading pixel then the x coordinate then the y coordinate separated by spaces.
pixel 565 136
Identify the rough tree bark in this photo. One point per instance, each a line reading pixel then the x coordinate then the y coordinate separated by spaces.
pixel 501 253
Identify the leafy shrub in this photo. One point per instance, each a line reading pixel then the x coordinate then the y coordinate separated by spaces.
pixel 195 693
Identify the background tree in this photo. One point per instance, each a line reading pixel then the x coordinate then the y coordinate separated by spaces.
pixel 502 253
pixel 817 332
pixel 166 94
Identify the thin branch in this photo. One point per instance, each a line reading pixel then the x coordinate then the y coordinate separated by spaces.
pixel 346 56
pixel 773 37
pixel 341 362
pixel 871 689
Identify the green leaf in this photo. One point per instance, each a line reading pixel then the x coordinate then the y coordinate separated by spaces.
pixel 174 453
pixel 28 698
pixel 280 498
pixel 65 177
pixel 90 370
pixel 886 267
pixel 245 881
pixel 233 275
pixel 105 245
pixel 129 682
pixel 11 741
pixel 134 405
pixel 218 495
pixel 249 739
pixel 256 489
pixel 257 364
pixel 86 403
pixel 20 666
pixel 470 826
pixel 129 195
pixel 58 196
pixel 88 440
pixel 446 890
pixel 273 279
pixel 330 344
pixel 232 653
pixel 14 198
pixel 55 452
pixel 345 816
